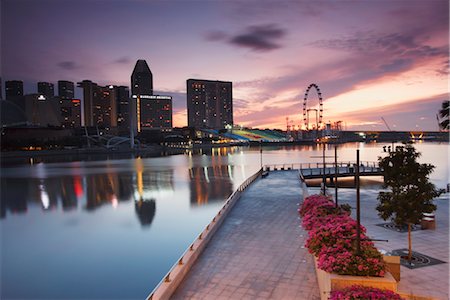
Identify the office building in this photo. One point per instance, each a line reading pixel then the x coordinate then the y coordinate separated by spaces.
pixel 14 93
pixel 40 111
pixel 123 106
pixel 148 111
pixel 100 104
pixel 70 113
pixel 209 103
pixel 154 112
pixel 46 89
pixel 141 79
pixel 1 90
pixel 66 89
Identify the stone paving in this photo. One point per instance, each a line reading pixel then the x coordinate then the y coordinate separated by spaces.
pixel 428 280
pixel 258 251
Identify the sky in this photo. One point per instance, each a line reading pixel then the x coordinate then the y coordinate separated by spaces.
pixel 370 59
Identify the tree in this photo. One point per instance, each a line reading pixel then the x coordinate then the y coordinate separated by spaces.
pixel 444 115
pixel 410 191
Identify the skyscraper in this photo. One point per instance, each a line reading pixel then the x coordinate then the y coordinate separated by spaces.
pixel 66 89
pixel 46 89
pixel 89 93
pixel 14 92
pixel 209 103
pixel 13 88
pixel 99 104
pixel 123 106
pixel 148 110
pixel 141 79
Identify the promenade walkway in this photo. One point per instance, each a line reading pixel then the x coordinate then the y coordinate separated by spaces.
pixel 258 251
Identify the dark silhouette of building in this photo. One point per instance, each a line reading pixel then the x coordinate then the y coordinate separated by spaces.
pixel 1 89
pixel 122 100
pixel 141 79
pixel 40 111
pixel 99 104
pixel 90 90
pixel 148 111
pixel 66 89
pixel 70 113
pixel 14 92
pixel 46 89
pixel 209 103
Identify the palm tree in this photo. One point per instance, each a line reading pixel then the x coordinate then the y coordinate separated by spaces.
pixel 444 115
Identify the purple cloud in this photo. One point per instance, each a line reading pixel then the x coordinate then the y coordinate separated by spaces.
pixel 257 38
pixel 122 60
pixel 67 65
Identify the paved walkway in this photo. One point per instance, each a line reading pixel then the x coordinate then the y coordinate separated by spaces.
pixel 258 251
pixel 430 280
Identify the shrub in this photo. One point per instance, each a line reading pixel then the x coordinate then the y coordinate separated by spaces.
pixel 357 292
pixel 339 260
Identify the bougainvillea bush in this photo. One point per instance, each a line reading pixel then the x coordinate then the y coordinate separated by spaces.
pixel 338 260
pixel 332 238
pixel 339 230
pixel 357 292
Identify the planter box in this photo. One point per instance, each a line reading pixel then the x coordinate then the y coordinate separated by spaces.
pixel 329 282
pixel 393 265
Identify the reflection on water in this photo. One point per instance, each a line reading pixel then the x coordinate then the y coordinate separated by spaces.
pixel 210 184
pixel 124 212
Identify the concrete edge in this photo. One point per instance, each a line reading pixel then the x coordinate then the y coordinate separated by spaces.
pixel 175 276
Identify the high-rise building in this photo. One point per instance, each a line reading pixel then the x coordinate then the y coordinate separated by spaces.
pixel 209 103
pixel 123 106
pixel 155 111
pixel 141 79
pixel 13 88
pixel 66 89
pixel 14 93
pixel 40 111
pixel 70 113
pixel 1 90
pixel 90 90
pixel 148 110
pixel 46 89
pixel 100 104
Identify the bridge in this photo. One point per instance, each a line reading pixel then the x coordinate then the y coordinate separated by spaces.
pixel 328 170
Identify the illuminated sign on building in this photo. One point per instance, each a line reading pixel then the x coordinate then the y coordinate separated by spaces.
pixel 153 97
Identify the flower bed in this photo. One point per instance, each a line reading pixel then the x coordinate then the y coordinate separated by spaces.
pixel 356 292
pixel 332 237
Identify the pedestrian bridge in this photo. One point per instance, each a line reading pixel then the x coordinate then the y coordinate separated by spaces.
pixel 330 170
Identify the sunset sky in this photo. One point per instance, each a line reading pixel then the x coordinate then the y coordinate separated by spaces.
pixel 371 59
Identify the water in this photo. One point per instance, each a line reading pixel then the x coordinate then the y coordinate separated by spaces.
pixel 113 228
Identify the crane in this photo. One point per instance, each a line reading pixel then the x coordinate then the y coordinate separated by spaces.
pixel 386 124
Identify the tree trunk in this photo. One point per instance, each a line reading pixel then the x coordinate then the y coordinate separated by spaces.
pixel 409 244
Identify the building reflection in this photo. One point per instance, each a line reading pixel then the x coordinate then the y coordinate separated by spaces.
pixel 14 195
pixel 89 192
pixel 210 183
pixel 145 210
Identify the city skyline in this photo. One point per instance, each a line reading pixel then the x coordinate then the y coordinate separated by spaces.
pixel 370 59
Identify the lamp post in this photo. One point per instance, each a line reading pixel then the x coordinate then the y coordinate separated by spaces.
pixel 336 170
pixel 358 209
pixel 324 178
pixel 260 154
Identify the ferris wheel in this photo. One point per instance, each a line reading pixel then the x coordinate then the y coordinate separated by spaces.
pixel 318 112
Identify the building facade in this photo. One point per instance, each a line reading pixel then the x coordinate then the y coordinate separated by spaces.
pixel 100 104
pixel 46 89
pixel 14 93
pixel 209 103
pixel 66 89
pixel 148 111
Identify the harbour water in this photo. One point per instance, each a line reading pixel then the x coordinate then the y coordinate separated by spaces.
pixel 113 228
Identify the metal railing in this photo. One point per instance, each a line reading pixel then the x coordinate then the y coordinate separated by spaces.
pixel 230 200
pixel 316 165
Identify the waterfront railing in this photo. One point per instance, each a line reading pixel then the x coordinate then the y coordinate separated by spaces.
pixel 167 286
